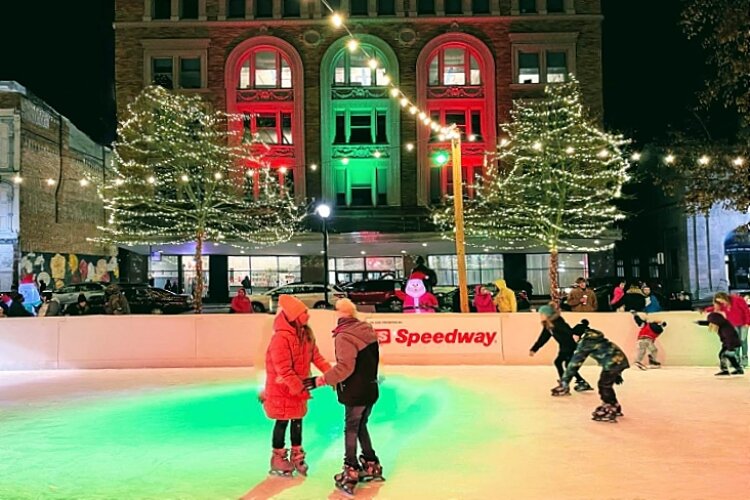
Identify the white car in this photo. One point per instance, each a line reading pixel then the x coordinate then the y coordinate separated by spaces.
pixel 312 294
pixel 69 294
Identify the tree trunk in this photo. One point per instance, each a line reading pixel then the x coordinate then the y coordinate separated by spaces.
pixel 198 289
pixel 554 279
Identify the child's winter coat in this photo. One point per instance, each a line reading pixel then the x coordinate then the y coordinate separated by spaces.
pixel 288 360
pixel 649 330
pixel 727 333
pixel 483 302
pixel 506 298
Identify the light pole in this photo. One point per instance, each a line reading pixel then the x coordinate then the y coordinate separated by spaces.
pixel 324 211
pixel 458 211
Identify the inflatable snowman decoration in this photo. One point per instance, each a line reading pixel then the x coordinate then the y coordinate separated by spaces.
pixel 416 298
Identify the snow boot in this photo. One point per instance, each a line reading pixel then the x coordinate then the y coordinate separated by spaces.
pixel 280 464
pixel 371 470
pixel 347 480
pixel 298 460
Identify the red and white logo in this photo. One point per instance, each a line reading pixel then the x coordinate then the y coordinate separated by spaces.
pixel 455 336
pixel 384 335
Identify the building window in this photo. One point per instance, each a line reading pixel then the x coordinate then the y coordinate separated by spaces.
pixel 264 272
pixel 188 9
pixel 235 9
pixel 265 68
pixel 480 6
pixel 543 57
pixel 162 9
pixel 264 8
pixel 620 268
pixel 653 267
pixel 271 128
pixel 426 7
pixel 161 72
pixel 635 268
pixel 361 128
pixel 190 73
pixel 555 6
pixel 454 66
pixel 350 269
pixel 527 6
pixel 291 8
pixel 571 266
pixel 453 6
pixel 386 7
pixel 358 7
pixel 353 70
pixel 528 67
pixel 480 268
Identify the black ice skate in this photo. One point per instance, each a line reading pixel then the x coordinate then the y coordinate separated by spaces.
pixel 652 363
pixel 371 470
pixel 347 480
pixel 582 386
pixel 722 373
pixel 560 390
pixel 738 372
pixel 618 410
pixel 605 413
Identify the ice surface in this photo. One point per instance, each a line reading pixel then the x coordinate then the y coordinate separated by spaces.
pixel 441 432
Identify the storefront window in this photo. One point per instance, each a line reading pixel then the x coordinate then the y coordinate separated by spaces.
pixel 571 267
pixel 163 268
pixel 189 274
pixel 348 270
pixel 480 268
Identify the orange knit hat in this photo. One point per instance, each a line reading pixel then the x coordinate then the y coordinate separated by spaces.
pixel 292 307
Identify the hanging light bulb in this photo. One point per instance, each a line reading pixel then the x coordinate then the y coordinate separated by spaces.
pixel 372 63
pixel 313 167
pixel 283 170
pixel 395 92
pixel 409 146
pixel 385 80
pixel 83 182
pixel 51 182
pixel 337 20
pixel 352 45
pixel 472 137
pixel 422 115
pixel 404 102
pixel 413 110
pixel 17 179
pixel 426 120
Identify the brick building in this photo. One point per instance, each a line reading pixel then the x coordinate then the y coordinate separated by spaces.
pixel 48 200
pixel 334 130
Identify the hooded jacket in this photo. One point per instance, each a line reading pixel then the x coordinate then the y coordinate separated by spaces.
pixel 605 352
pixel 483 301
pixel 652 304
pixel 727 332
pixel 737 312
pixel 505 300
pixel 634 300
pixel 288 360
pixel 562 333
pixel 575 300
pixel 357 356
pixel 241 304
pixel 649 330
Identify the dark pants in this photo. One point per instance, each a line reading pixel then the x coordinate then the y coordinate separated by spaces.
pixel 727 357
pixel 356 429
pixel 561 362
pixel 279 431
pixel 607 380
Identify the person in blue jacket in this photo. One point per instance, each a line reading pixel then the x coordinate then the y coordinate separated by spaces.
pixel 652 303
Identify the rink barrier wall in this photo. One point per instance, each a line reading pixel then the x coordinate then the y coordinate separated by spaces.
pixel 230 340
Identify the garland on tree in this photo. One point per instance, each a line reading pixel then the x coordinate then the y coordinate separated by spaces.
pixel 555 183
pixel 181 176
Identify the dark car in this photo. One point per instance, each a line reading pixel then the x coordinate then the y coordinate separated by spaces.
pixel 380 294
pixel 149 300
pixel 449 301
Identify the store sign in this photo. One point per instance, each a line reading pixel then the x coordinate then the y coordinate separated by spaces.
pixel 433 330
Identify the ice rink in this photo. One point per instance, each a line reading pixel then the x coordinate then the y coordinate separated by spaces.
pixel 441 433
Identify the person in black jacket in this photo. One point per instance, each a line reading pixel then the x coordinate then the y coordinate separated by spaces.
pixel 355 377
pixel 80 307
pixel 554 326
pixel 730 343
pixel 16 308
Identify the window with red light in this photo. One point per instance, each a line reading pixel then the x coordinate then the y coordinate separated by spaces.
pixel 454 65
pixel 265 68
pixel 268 127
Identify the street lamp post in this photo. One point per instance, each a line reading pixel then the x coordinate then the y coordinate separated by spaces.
pixel 458 210
pixel 324 211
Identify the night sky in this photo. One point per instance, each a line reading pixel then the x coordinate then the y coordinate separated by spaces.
pixel 63 51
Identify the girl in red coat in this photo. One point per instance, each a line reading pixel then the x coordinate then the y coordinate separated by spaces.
pixel 291 351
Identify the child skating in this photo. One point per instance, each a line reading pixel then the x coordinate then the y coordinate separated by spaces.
pixel 554 326
pixel 355 377
pixel 647 336
pixel 730 343
pixel 613 362
pixel 291 351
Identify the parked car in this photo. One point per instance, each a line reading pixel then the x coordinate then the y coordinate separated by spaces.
pixel 449 302
pixel 381 294
pixel 312 294
pixel 149 300
pixel 69 293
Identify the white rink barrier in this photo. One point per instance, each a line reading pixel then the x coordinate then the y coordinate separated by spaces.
pixel 229 340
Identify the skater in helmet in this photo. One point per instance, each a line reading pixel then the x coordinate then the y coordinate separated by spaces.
pixel 291 351
pixel 613 362
pixel 554 326
pixel 355 377
pixel 647 335
pixel 730 343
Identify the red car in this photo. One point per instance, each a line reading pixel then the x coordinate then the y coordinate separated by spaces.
pixel 380 294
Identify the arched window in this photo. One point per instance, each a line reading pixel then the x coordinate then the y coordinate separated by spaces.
pixel 264 84
pixel 360 125
pixel 455 85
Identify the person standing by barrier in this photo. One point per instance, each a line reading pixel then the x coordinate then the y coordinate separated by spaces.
pixel 554 326
pixel 618 294
pixel 241 303
pixel 634 299
pixel 483 300
pixel 736 310
pixel 355 377
pixel 115 303
pixel 647 336
pixel 505 300
pixel 730 343
pixel 288 358
pixel 80 307
pixel 652 302
pixel 613 362
pixel 582 298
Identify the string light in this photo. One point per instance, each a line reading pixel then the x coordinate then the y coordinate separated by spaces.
pixel 373 63
pixel 352 45
pixel 184 178
pixel 345 161
pixel 669 159
pixel 395 92
pixel 570 150
pixel 337 20
pixel 17 179
pixel 404 102
pixel 218 176
pixel 472 137
pixel 83 182
pixel 283 170
pixel 119 182
pixel 377 154
pixel 51 182
pixel 537 146
pixel 313 167
pixel 409 146
pixel 738 162
pixel 704 160
pixel 413 110
pixel 635 156
pixel 151 179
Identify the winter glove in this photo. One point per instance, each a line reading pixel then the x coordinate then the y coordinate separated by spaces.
pixel 261 396
pixel 561 390
pixel 310 383
pixel 619 380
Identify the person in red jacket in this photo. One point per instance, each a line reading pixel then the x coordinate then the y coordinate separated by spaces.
pixel 647 335
pixel 483 300
pixel 291 351
pixel 241 303
pixel 736 310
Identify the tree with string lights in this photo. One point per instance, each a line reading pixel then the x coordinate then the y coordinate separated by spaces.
pixel 180 177
pixel 555 184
